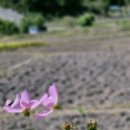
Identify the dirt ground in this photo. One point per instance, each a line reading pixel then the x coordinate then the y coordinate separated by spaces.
pixel 92 76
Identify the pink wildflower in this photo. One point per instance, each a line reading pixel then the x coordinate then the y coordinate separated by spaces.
pixel 22 103
pixel 49 101
pixel 14 107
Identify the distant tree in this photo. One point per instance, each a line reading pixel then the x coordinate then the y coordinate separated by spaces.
pixel 62 7
pixel 105 6
pixel 32 19
pixel 72 6
pixel 8 27
pixel 44 6
pixel 97 6
pixel 118 2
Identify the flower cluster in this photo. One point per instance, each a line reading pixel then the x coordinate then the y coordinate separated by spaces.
pixel 24 104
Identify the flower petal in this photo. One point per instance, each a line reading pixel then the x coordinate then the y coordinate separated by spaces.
pixel 53 93
pixel 43 114
pixel 44 98
pixel 25 105
pixel 25 97
pixel 11 110
pixel 48 102
pixel 8 102
pixel 34 104
pixel 16 102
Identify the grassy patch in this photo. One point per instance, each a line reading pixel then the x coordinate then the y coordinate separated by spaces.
pixel 124 25
pixel 102 25
pixel 17 45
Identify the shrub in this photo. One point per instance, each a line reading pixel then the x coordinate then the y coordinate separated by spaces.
pixel 86 19
pixel 33 19
pixel 7 27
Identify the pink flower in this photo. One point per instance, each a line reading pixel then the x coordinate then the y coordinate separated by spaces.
pixel 49 101
pixel 13 107
pixel 22 103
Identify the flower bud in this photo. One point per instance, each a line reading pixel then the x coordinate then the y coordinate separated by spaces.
pixel 92 125
pixel 57 107
pixel 70 126
pixel 26 112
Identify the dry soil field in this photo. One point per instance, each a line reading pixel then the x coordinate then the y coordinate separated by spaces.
pixel 92 77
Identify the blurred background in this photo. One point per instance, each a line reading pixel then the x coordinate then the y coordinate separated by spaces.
pixel 81 45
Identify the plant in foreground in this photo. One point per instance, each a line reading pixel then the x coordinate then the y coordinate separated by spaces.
pixel 49 102
pixel 24 104
pixel 91 125
pixel 70 126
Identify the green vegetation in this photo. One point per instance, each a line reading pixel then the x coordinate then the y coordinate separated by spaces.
pixel 15 46
pixel 97 6
pixel 63 13
pixel 32 20
pixel 63 7
pixel 86 20
pixel 53 7
pixel 75 12
pixel 8 27
pixel 92 125
pixel 124 25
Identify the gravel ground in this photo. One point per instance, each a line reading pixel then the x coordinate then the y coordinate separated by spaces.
pixel 92 78
pixel 7 60
pixel 101 77
pixel 87 79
